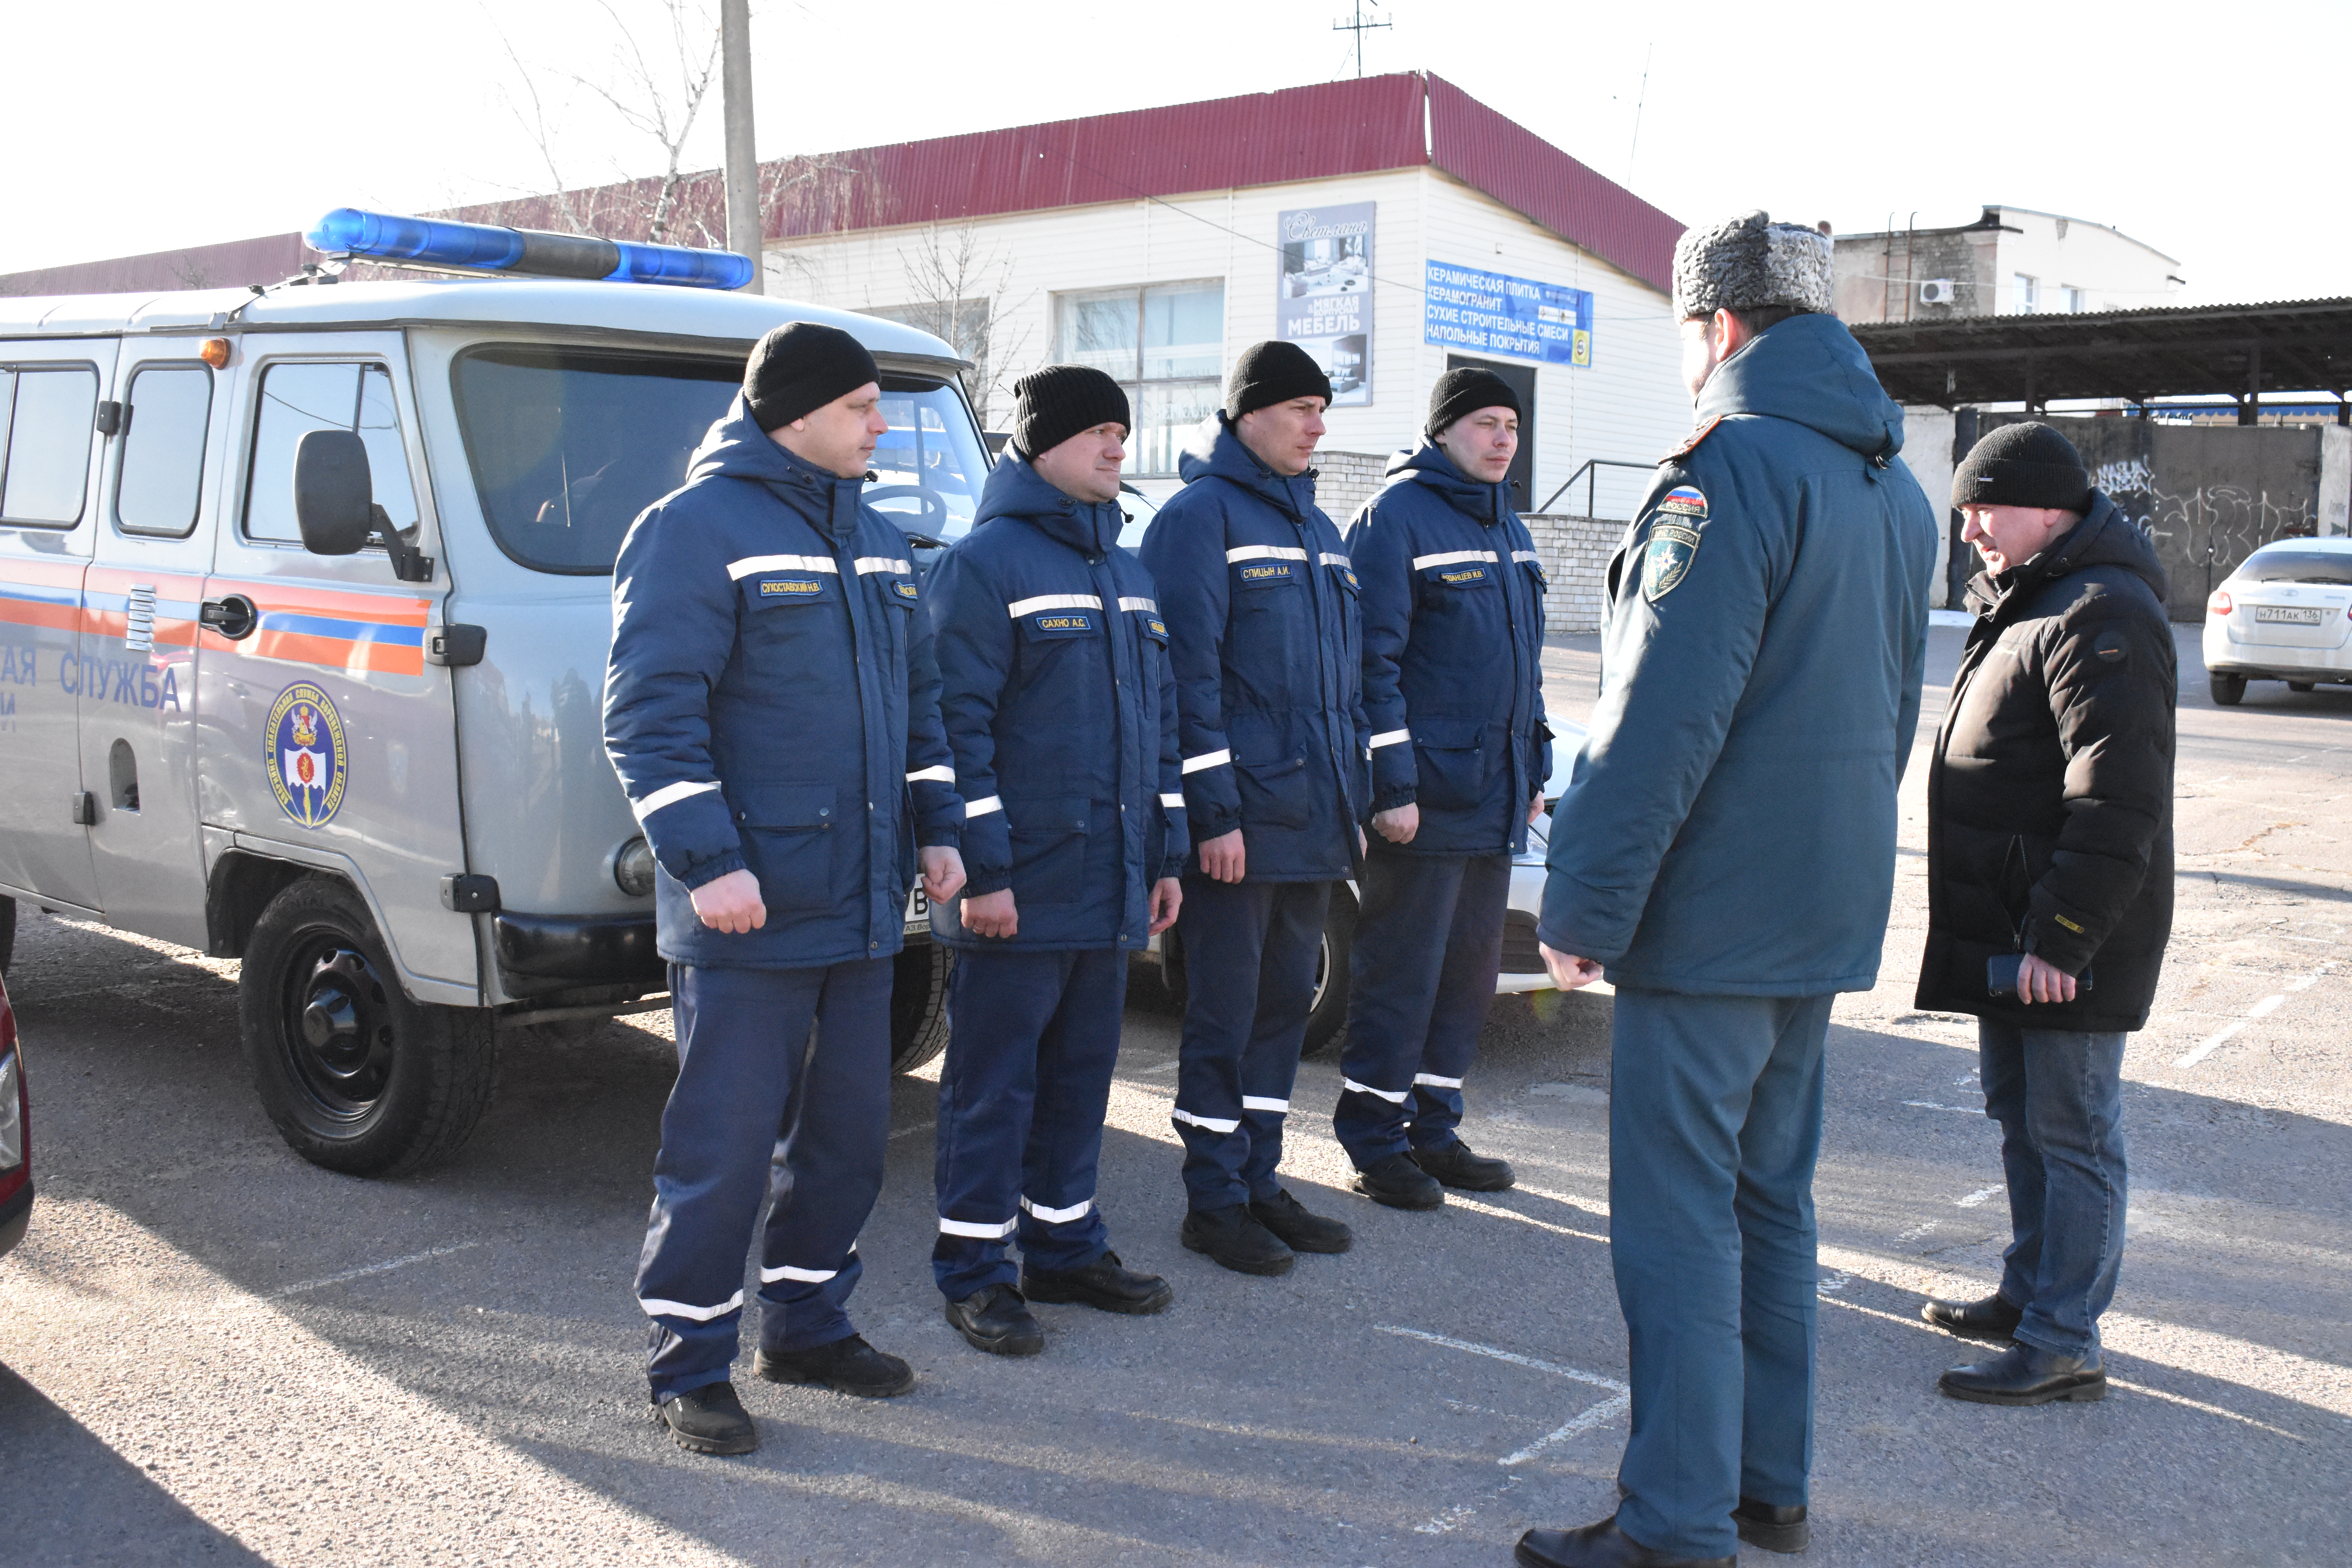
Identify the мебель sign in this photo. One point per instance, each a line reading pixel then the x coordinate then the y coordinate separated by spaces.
pixel 1323 298
pixel 1486 313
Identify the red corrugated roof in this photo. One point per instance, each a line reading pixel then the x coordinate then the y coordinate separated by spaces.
pixel 1323 132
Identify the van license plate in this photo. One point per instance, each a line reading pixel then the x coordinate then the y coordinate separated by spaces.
pixel 2293 617
pixel 919 913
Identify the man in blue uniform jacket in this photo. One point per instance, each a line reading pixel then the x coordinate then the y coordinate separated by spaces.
pixel 773 709
pixel 1061 712
pixel 1260 603
pixel 1726 853
pixel 1452 637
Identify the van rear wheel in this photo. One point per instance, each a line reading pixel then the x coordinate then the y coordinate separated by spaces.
pixel 918 1004
pixel 357 1076
pixel 1329 1012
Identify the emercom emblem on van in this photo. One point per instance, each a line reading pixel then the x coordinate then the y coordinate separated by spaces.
pixel 305 755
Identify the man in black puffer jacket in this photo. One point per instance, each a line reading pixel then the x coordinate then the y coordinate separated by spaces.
pixel 2050 859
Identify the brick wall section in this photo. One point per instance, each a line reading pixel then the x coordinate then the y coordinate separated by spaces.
pixel 1344 482
pixel 1576 552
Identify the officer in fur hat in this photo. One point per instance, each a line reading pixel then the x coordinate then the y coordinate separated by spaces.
pixel 1725 853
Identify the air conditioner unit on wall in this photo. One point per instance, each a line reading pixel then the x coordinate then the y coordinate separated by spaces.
pixel 1936 292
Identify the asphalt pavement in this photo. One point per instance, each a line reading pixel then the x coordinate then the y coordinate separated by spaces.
pixel 212 1353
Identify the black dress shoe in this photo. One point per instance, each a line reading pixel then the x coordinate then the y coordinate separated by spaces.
pixel 846 1366
pixel 1232 1236
pixel 1396 1181
pixel 1993 1318
pixel 996 1319
pixel 1602 1545
pixel 1104 1284
pixel 1454 1164
pixel 1300 1231
pixel 2024 1376
pixel 1773 1528
pixel 709 1420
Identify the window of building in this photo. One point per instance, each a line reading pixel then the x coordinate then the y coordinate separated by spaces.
pixel 296 399
pixel 157 487
pixel 2024 294
pixel 1164 342
pixel 2074 298
pixel 47 417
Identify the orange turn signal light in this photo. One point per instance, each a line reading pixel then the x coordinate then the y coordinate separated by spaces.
pixel 214 351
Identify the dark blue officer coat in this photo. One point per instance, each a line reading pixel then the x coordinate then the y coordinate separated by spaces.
pixel 773 703
pixel 1060 711
pixel 1260 603
pixel 1452 616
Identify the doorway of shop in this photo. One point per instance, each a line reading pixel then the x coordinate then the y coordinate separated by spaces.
pixel 1521 379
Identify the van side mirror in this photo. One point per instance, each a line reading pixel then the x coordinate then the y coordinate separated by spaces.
pixel 334 493
pixel 334 504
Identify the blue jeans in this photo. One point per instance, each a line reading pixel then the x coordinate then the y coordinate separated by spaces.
pixel 2058 1096
pixel 1715 1123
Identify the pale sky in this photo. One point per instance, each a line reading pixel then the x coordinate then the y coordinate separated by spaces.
pixel 145 126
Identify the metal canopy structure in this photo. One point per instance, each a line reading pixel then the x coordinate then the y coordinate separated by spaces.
pixel 2242 351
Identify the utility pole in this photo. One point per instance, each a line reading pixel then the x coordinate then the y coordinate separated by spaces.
pixel 744 228
pixel 1359 27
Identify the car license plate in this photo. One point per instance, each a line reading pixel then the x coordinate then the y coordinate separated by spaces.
pixel 2307 616
pixel 919 913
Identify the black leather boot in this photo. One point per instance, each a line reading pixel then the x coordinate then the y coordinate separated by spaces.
pixel 2024 1376
pixel 1773 1528
pixel 1602 1545
pixel 1300 1231
pixel 1104 1284
pixel 1454 1164
pixel 846 1366
pixel 1396 1181
pixel 996 1319
pixel 1992 1318
pixel 709 1420
pixel 1232 1238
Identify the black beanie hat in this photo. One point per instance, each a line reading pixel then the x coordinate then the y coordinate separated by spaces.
pixel 2028 464
pixel 800 368
pixel 1052 404
pixel 1466 391
pixel 1271 372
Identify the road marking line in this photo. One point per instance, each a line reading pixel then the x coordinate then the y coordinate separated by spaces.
pixel 1594 1378
pixel 2262 1009
pixel 1978 1196
pixel 1457 1200
pixel 1608 1409
pixel 911 1131
pixel 384 1268
pixel 1931 1105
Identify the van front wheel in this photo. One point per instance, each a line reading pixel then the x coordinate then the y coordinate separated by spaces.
pixel 357 1076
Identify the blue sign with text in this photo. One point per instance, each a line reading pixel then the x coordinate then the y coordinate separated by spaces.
pixel 1486 313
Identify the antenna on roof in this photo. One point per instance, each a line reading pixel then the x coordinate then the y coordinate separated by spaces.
pixel 1359 27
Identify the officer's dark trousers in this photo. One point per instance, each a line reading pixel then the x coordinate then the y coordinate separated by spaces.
pixel 1714 1120
pixel 1429 942
pixel 1250 951
pixel 1031 1039
pixel 758 1110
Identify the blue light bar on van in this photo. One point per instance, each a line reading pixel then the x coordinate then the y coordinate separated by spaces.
pixel 485 248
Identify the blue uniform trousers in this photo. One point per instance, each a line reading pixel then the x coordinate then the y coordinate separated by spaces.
pixel 1250 952
pixel 1715 1122
pixel 1031 1039
pixel 1429 942
pixel 756 1108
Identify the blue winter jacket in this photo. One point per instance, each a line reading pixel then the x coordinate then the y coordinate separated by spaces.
pixel 1260 603
pixel 1730 826
pixel 773 704
pixel 1061 711
pixel 1452 618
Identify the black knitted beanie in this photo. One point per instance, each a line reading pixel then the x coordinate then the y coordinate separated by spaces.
pixel 1271 372
pixel 1466 390
pixel 1052 404
pixel 2027 464
pixel 799 368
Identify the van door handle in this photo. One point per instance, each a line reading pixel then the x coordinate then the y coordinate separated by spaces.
pixel 233 617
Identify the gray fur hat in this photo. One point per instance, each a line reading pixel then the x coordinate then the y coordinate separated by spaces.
pixel 1750 263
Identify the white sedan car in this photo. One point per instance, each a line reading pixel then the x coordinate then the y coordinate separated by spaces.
pixel 2286 614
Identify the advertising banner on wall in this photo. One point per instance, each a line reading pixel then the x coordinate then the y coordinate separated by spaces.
pixel 1516 317
pixel 1324 299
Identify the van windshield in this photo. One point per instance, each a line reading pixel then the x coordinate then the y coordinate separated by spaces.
pixel 568 445
pixel 2273 565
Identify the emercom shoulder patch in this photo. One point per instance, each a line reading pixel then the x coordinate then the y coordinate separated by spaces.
pixel 1674 530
